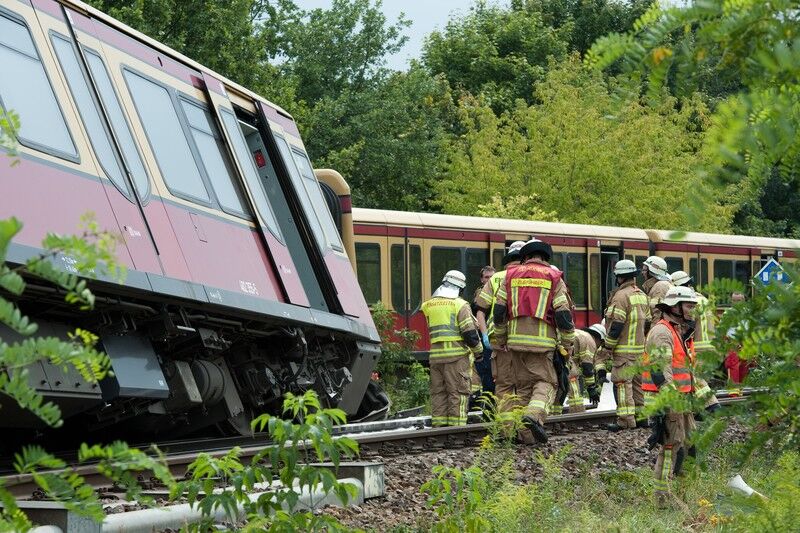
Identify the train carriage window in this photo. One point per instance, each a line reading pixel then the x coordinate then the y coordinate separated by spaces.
pixel 247 165
pixel 368 261
pixel 214 158
pixel 167 138
pixel 398 267
pixel 674 263
pixel 594 281
pixel 119 123
pixel 315 194
pixel 26 90
pixel 92 120
pixel 476 259
pixel 575 277
pixel 497 259
pixel 741 272
pixel 701 277
pixel 723 269
pixel 558 260
pixel 415 277
pixel 442 260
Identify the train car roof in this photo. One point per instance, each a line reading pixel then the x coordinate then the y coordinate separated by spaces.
pixel 500 225
pixel 174 54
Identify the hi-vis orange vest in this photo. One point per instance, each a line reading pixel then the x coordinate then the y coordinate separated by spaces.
pixel 682 363
pixel 529 290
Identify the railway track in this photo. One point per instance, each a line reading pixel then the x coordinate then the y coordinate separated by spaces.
pixel 386 438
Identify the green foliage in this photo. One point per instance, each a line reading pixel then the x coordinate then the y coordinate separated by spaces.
pixel 405 380
pixel 9 123
pixel 296 444
pixel 578 148
pixel 457 496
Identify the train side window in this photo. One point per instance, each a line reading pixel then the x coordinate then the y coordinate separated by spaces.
pixel 26 90
pixel 300 191
pixel 442 260
pixel 95 126
pixel 558 260
pixel 701 277
pixel 477 258
pixel 723 269
pixel 575 276
pixel 315 193
pixel 398 263
pixel 247 164
pixel 167 138
pixel 368 261
pixel 119 123
pixel 212 154
pixel 415 277
pixel 741 272
pixel 594 280
pixel 497 259
pixel 674 263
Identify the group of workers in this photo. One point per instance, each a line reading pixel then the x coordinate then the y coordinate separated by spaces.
pixel 649 339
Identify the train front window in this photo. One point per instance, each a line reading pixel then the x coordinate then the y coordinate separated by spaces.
pixel 119 124
pixel 368 263
pixel 167 138
pixel 26 90
pixel 95 127
pixel 215 160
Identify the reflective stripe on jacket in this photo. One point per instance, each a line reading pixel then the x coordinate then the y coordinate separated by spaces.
pixel 448 319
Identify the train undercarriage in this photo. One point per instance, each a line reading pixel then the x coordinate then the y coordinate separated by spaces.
pixel 181 369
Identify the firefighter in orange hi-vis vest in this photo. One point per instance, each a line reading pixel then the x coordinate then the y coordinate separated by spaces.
pixel 670 362
pixel 531 305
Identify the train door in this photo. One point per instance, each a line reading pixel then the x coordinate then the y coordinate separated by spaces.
pixel 405 273
pixel 83 63
pixel 609 255
pixel 270 231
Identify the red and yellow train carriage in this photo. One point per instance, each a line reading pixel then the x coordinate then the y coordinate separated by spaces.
pixel 401 257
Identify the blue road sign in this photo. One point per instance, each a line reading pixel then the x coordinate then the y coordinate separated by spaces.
pixel 772 272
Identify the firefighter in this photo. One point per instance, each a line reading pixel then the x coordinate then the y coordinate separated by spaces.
pixel 562 355
pixel 669 361
pixel 625 320
pixel 531 305
pixel 656 283
pixel 582 367
pixel 484 368
pixel 454 341
pixel 501 360
pixel 703 333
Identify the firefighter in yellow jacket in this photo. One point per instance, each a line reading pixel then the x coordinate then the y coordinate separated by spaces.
pixel 531 305
pixel 581 367
pixel 670 360
pixel 703 333
pixel 501 360
pixel 625 320
pixel 454 339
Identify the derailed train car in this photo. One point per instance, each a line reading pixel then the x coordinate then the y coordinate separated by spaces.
pixel 239 287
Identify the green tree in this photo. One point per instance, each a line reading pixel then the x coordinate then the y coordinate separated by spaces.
pixel 579 157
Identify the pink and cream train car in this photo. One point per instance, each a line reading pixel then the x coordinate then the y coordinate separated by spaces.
pixel 239 287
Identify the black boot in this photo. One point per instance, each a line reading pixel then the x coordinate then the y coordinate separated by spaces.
pixel 679 457
pixel 713 408
pixel 615 427
pixel 536 428
pixel 644 423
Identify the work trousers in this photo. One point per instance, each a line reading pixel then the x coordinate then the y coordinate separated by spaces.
pixel 623 383
pixel 450 388
pixel 503 370
pixel 679 427
pixel 638 395
pixel 536 382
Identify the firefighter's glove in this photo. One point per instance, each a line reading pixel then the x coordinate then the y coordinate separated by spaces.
pixel 594 393
pixel 601 375
pixel 485 339
pixel 658 431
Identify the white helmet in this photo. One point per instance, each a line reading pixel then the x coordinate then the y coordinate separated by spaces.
pixel 454 277
pixel 676 295
pixel 625 267
pixel 679 278
pixel 516 246
pixel 657 266
pixel 599 329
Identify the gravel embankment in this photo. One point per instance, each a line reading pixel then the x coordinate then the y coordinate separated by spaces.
pixel 404 503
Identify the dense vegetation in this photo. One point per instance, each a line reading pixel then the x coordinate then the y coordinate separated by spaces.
pixel 498 117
